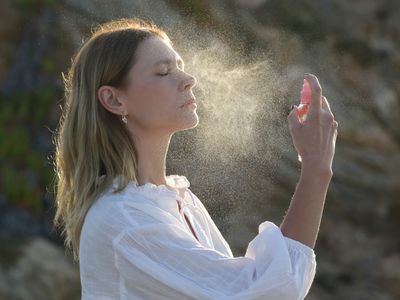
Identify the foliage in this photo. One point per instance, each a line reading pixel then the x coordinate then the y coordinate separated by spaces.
pixel 23 168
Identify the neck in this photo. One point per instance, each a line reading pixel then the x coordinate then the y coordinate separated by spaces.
pixel 152 152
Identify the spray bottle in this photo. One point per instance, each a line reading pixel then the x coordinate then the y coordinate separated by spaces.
pixel 305 96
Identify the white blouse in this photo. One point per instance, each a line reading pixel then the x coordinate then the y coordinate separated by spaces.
pixel 137 244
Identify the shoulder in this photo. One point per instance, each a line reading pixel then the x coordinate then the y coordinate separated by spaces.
pixel 137 205
pixel 109 212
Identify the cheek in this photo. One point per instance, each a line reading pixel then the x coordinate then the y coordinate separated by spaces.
pixel 158 91
pixel 154 102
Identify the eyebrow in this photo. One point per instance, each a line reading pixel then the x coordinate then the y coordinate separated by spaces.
pixel 169 61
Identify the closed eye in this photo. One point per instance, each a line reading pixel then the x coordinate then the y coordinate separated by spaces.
pixel 165 74
pixel 178 63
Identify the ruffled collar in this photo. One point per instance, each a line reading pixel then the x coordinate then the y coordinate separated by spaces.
pixel 162 196
pixel 175 182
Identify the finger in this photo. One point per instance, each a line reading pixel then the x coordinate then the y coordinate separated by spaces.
pixel 325 104
pixel 290 110
pixel 314 109
pixel 335 125
pixel 334 132
pixel 293 119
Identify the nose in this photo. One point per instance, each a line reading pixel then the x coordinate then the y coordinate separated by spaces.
pixel 189 82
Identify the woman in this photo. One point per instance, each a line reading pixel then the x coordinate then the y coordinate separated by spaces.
pixel 139 234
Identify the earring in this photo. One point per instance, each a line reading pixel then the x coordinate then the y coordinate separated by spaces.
pixel 124 119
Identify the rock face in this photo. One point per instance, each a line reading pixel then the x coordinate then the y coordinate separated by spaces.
pixel 35 268
pixel 249 58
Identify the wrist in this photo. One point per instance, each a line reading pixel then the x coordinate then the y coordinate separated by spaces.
pixel 316 170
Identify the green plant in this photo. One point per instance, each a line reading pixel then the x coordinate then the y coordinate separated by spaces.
pixel 23 168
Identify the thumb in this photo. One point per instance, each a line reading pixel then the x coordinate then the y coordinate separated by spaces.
pixel 293 119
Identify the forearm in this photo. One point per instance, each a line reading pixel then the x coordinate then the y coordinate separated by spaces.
pixel 303 217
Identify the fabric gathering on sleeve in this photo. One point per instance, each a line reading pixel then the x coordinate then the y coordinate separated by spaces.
pixel 164 261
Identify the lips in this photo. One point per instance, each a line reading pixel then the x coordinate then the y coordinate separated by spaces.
pixel 189 101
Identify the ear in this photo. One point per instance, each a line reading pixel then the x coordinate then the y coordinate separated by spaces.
pixel 108 97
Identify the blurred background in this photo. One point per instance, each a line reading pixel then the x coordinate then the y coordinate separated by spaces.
pixel 249 58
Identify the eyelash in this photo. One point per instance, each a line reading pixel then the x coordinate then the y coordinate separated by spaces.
pixel 165 74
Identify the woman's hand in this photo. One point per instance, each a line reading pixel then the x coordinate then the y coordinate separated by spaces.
pixel 315 138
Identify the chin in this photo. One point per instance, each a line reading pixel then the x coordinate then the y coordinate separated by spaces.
pixel 189 124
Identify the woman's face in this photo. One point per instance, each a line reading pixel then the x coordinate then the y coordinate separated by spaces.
pixel 157 88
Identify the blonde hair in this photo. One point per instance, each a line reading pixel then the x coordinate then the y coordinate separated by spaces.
pixel 91 141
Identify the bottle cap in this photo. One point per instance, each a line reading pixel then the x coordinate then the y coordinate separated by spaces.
pixel 305 93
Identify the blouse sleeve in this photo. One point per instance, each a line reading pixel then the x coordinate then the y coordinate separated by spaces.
pixel 164 261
